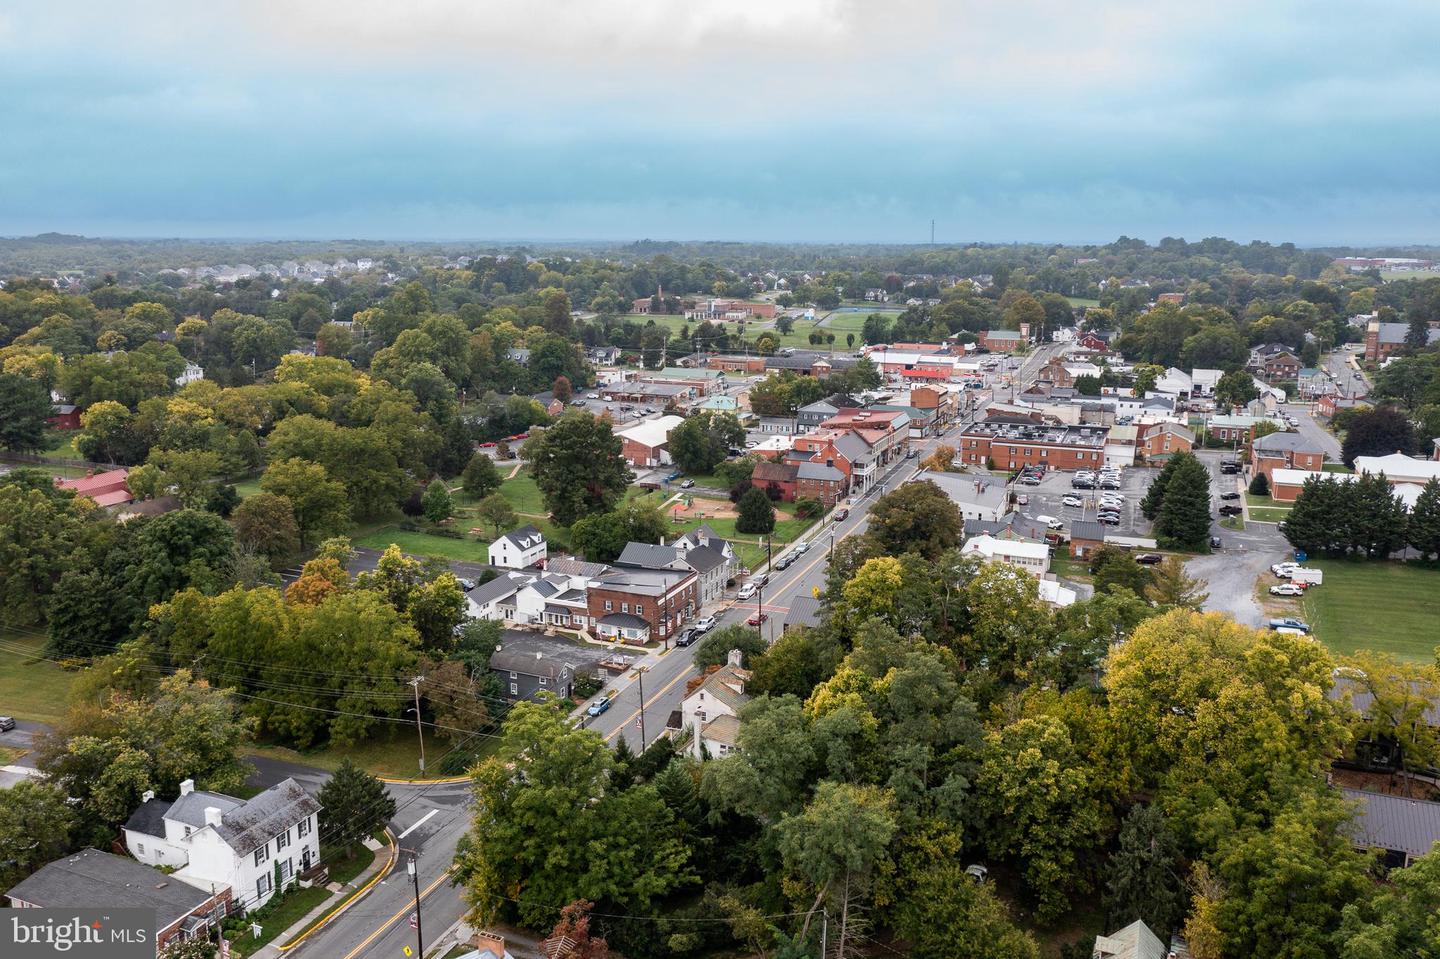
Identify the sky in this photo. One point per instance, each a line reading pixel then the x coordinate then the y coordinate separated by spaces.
pixel 785 120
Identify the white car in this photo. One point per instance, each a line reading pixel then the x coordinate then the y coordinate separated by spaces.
pixel 1114 501
pixel 1283 570
pixel 800 549
pixel 751 445
pixel 1287 589
pixel 746 591
pixel 1070 500
pixel 592 396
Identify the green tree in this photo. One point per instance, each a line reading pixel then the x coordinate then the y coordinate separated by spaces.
pixel 40 530
pixel 795 664
pixel 577 465
pixel 496 512
pixel 916 517
pixel 435 502
pixel 1423 530
pixel 704 440
pixel 1146 376
pixel 266 524
pixel 549 788
pixel 1377 432
pixel 319 502
pixel 480 477
pixel 1401 694
pixel 1397 918
pixel 24 410
pixel 191 473
pixel 1088 385
pixel 353 806
pixel 1008 627
pixel 1236 389
pixel 1144 878
pixel 601 538
pixel 1375 519
pixel 36 824
pixel 1172 588
pixel 755 514
pixel 1115 568
pixel 431 600
pixel 1260 485
pixel 1184 516
pixel 714 649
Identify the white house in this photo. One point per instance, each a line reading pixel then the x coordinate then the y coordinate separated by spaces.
pixel 1034 558
pixel 1173 382
pixel 1399 468
pixel 213 840
pixel 1202 381
pixel 976 496
pixel 519 549
pixel 711 714
pixel 193 372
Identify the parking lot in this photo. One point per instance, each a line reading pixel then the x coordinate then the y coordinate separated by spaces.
pixel 1047 500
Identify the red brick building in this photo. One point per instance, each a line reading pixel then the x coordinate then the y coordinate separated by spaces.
pixel 1288 451
pixel 1013 442
pixel 632 605
pixel 776 480
pixel 1163 439
pixel 1004 341
pixel 814 480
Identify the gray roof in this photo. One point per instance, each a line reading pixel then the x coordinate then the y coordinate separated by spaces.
pixel 1394 823
pixel 148 819
pixel 1361 700
pixel 649 582
pixel 819 471
pixel 96 880
pixel 536 654
pixel 519 354
pixel 647 556
pixel 1087 529
pixel 851 447
pixel 1395 333
pixel 545 589
pixel 804 611
pixel 570 566
pixel 1278 442
pixel 190 808
pixel 501 586
pixel 702 559
pixel 1135 941
pixel 623 620
pixel 525 537
pixel 265 816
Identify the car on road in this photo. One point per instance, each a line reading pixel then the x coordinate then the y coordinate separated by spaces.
pixel 1289 622
pixel 1149 559
pixel 1228 510
pixel 1214 542
pixel 842 514
pixel 757 619
pixel 746 591
pixel 687 483
pixel 1022 499
pixel 801 549
pixel 1287 589
pixel 599 706
pixel 1070 499
pixel 704 624
pixel 911 454
pixel 687 637
pixel 751 445
pixel 7 723
pixel 1231 494
pixel 784 561
pixel 1229 469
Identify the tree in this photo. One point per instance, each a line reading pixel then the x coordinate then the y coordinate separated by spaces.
pixel 1260 485
pixel 1184 516
pixel 577 465
pixel 1146 376
pixel 1397 918
pixel 794 664
pixel 319 502
pixel 704 440
pixel 1236 389
pixel 497 513
pixel 573 929
pixel 1424 525
pixel 1172 588
pixel 353 806
pixel 714 649
pixel 1377 432
pixel 108 434
pixel 1008 627
pixel 436 502
pixel 1144 880
pixel 602 538
pixel 480 477
pixel 36 824
pixel 24 410
pixel 756 515
pixel 190 473
pixel 941 460
pixel 266 524
pixel 40 530
pixel 1417 333
pixel 1088 385
pixel 917 517
pixel 1115 568
pixel 1376 517
pixel 1401 694
pixel 561 389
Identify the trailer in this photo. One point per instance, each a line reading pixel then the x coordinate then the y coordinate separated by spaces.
pixel 1306 576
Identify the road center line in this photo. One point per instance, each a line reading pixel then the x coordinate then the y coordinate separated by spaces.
pixel 417 824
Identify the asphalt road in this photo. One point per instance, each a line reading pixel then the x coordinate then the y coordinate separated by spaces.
pixel 1230 572
pixel 1347 380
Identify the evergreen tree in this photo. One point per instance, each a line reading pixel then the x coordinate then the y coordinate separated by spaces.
pixel 1315 523
pixel 756 515
pixel 1424 526
pixel 436 502
pixel 1260 485
pixel 1376 516
pixel 355 804
pixel 1417 334
pixel 1155 495
pixel 1144 881
pixel 1184 517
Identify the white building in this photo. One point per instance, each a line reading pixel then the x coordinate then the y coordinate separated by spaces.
pixel 976 496
pixel 213 840
pixel 520 548
pixel 1399 468
pixel 1033 558
pixel 1202 382
pixel 710 716
pixel 193 372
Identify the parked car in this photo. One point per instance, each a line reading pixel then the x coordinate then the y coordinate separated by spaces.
pixel 1079 483
pixel 1029 479
pixel 465 582
pixel 735 451
pixel 1283 569
pixel 1229 469
pixel 1290 622
pixel 757 619
pixel 1022 499
pixel 599 706
pixel 1149 559
pixel 577 402
pixel 842 514
pixel 1108 519
pixel 687 483
pixel 800 549
pixel 1214 542
pixel 1050 521
pixel 592 396
pixel 687 637
pixel 1287 589
pixel 7 723
pixel 747 591
pixel 910 454
pixel 1230 510
pixel 1230 495
pixel 1070 499
pixel 784 561
pixel 704 624
pixel 751 445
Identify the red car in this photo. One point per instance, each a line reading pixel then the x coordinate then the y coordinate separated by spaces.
pixel 757 619
pixel 486 446
pixel 519 436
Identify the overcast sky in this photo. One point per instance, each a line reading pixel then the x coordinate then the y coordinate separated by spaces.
pixel 855 120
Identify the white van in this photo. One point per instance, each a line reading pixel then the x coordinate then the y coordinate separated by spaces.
pixel 1050 521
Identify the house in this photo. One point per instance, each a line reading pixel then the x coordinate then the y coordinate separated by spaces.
pixel 191 373
pixel 777 480
pixel 1086 536
pixel 1163 439
pixel 1291 451
pixel 976 495
pixel 65 416
pixel 1033 558
pixel 1004 341
pixel 646 445
pixel 520 548
pixel 1238 428
pixel 818 481
pixel 1202 381
pixel 213 840
pixel 1399 468
pixel 1402 829
pixel 496 599
pixel 776 425
pixel 1275 361
pixel 1174 382
pixel 91 879
pixel 518 355
pixel 106 489
pixel 805 612
pixel 489 945
pixel 1050 590
pixel 529 664
pixel 629 604
pixel 701 550
pixel 1313 383
pixel 1135 941
pixel 711 711
pixel 1331 403
pixel 1382 339
pixel 648 391
pixel 1015 441
pixel 1095 341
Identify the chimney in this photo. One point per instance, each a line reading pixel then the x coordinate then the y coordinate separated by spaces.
pixel 212 815
pixel 147 795
pixel 488 941
pixel 733 659
pixel 187 786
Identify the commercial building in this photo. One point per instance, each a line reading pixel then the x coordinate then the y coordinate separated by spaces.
pixel 1012 442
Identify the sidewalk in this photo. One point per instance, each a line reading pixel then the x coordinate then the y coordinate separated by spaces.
pixel 356 889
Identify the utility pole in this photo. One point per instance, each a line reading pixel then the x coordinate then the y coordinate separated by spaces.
pixel 824 931
pixel 640 672
pixel 419 935
pixel 419 728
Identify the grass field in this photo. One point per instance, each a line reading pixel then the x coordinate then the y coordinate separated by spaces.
pixel 751 548
pixel 1409 274
pixel 1336 468
pixel 60 445
pixel 393 751
pixel 247 487
pixel 415 543
pixel 1263 509
pixel 292 908
pixel 1079 301
pixel 31 688
pixel 1384 606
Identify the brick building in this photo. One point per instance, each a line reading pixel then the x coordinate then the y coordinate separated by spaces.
pixel 818 481
pixel 1004 341
pixel 1288 451
pixel 1014 441
pixel 776 480
pixel 631 605
pixel 647 444
pixel 1382 339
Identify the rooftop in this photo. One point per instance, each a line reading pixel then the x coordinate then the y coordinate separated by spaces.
pixel 1025 431
pixel 1394 823
pixel 94 879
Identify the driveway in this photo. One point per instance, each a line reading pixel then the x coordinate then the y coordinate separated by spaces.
pixel 1231 572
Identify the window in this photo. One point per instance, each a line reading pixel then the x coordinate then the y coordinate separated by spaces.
pixel 514 676
pixel 286 868
pixel 263 886
pixel 543 681
pixel 140 848
pixel 303 829
pixel 187 830
pixel 262 854
pixel 282 840
pixel 609 606
pixel 624 607
pixel 639 609
pixel 514 689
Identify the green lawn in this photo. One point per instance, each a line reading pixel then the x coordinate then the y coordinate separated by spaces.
pixel 60 445
pixel 248 487
pixel 465 550
pixel 1078 301
pixel 1384 606
pixel 292 908
pixel 394 754
pixel 342 870
pixel 1336 468
pixel 751 548
pixel 524 495
pixel 1269 515
pixel 31 688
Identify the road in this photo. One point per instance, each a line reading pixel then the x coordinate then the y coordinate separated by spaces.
pixel 1347 380
pixel 1230 573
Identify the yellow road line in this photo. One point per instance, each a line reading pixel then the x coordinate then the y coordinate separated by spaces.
pixel 635 715
pixel 385 926
pixel 354 897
